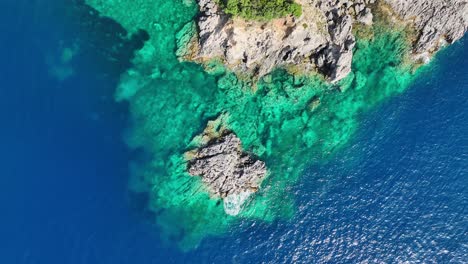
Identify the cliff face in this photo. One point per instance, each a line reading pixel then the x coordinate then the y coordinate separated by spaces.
pixel 437 22
pixel 321 39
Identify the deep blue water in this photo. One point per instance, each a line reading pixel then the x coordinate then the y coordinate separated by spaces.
pixel 397 193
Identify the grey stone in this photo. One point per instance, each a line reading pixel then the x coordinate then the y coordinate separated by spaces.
pixel 323 33
pixel 321 40
pixel 225 168
pixel 436 21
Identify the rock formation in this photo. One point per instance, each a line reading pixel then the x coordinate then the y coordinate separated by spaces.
pixel 321 39
pixel 226 170
pixel 437 22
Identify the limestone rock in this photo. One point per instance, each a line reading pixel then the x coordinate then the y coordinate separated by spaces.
pixel 226 170
pixel 436 21
pixel 320 40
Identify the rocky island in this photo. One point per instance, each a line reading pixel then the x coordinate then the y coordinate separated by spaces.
pixel 285 82
pixel 227 171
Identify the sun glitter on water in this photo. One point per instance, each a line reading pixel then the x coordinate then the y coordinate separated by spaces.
pixel 287 120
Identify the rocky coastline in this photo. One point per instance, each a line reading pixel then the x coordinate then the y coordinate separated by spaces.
pixel 321 40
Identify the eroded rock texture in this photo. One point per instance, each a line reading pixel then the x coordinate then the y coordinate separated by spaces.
pixel 437 22
pixel 321 40
pixel 227 171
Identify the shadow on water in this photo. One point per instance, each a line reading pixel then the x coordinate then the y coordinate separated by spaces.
pixel 102 40
pixel 107 50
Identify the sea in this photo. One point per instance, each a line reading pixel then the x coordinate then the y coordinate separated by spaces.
pixel 398 193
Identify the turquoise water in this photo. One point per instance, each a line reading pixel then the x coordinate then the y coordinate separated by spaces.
pixel 278 118
pixel 395 191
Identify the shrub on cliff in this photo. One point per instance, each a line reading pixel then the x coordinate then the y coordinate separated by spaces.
pixel 261 9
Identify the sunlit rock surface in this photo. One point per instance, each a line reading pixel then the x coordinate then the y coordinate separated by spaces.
pixel 226 170
pixel 321 40
pixel 286 119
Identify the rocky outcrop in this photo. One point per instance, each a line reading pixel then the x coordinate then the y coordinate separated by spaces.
pixel 437 22
pixel 321 40
pixel 226 170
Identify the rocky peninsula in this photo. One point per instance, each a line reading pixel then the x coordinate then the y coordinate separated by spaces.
pixel 321 39
pixel 336 60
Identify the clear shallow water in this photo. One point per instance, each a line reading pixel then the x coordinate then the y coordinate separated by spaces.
pixel 287 121
pixel 398 191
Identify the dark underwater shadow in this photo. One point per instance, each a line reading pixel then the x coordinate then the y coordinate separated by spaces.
pixel 106 51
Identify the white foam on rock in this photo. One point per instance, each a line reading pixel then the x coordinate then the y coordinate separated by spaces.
pixel 233 203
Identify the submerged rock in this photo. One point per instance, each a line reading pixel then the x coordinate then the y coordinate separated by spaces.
pixel 226 170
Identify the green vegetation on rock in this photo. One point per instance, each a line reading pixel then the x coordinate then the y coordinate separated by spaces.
pixel 287 121
pixel 261 9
